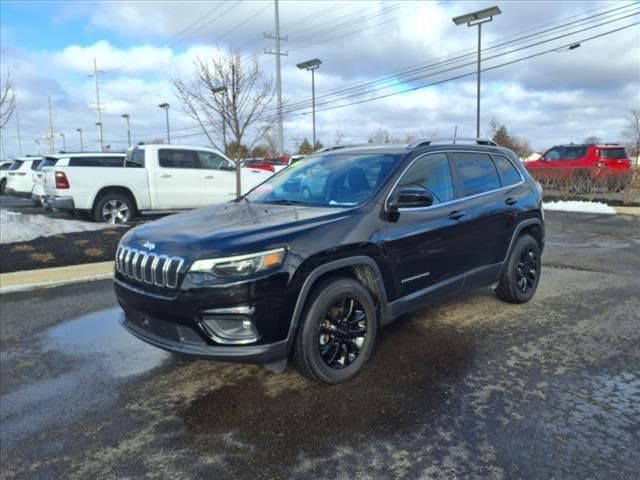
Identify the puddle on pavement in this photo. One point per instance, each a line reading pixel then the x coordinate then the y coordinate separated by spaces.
pixel 96 356
pixel 100 336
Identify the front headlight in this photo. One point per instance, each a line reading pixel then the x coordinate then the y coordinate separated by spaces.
pixel 240 265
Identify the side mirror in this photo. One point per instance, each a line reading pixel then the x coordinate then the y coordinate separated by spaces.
pixel 413 197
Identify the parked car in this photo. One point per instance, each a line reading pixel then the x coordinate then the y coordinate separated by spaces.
pixel 154 179
pixel 270 164
pixel 4 169
pixel 19 176
pixel 80 159
pixel 606 164
pixel 275 274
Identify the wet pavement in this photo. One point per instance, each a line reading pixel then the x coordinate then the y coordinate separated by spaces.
pixel 468 388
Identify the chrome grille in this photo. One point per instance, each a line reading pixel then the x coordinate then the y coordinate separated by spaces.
pixel 148 267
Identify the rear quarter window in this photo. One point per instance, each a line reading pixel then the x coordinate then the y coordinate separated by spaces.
pixel 613 153
pixel 509 175
pixel 35 164
pixel 16 165
pixel 476 172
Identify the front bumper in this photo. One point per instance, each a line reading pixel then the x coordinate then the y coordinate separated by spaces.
pixel 59 203
pixel 178 338
pixel 174 321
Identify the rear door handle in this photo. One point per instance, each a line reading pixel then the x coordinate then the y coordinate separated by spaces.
pixel 455 215
pixel 511 200
pixel 208 177
pixel 165 176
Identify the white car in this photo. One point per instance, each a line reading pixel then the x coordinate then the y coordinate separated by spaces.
pixel 154 179
pixel 4 169
pixel 20 178
pixel 83 159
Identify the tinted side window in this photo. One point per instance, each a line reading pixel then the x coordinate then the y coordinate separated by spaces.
pixel 35 164
pixel 613 153
pixel 96 162
pixel 477 173
pixel 213 161
pixel 5 166
pixel 508 173
pixel 432 173
pixel 170 158
pixel 16 165
pixel 135 158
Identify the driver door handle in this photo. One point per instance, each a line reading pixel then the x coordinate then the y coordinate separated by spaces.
pixel 511 200
pixel 457 214
pixel 209 177
pixel 165 176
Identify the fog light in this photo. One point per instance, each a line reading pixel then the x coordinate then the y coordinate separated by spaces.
pixel 229 329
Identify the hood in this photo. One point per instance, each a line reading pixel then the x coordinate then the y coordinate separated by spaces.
pixel 229 228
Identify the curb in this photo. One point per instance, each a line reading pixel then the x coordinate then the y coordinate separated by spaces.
pixel 628 210
pixel 53 277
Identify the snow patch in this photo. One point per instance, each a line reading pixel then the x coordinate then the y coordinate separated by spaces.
pixel 16 227
pixel 579 206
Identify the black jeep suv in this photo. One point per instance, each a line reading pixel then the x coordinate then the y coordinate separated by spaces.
pixel 312 262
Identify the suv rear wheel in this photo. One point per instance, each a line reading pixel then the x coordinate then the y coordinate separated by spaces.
pixel 337 333
pixel 520 279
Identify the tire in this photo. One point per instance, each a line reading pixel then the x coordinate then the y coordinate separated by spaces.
pixel 337 331
pixel 3 186
pixel 113 208
pixel 520 280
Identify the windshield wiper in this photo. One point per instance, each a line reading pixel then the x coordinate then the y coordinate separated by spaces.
pixel 284 201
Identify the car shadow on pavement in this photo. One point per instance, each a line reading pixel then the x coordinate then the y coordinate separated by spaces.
pixel 404 383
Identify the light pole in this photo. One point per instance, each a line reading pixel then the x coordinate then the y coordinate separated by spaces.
pixel 312 65
pixel 473 19
pixel 79 130
pixel 223 90
pixel 165 105
pixel 99 125
pixel 126 117
pixel 64 142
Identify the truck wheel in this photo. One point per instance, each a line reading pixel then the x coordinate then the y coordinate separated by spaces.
pixel 337 333
pixel 113 208
pixel 520 278
pixel 3 185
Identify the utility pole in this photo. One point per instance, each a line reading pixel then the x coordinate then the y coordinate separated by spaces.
pixel 64 142
pixel 19 138
pixel 79 130
pixel 52 147
pixel 98 105
pixel 278 54
pixel 127 117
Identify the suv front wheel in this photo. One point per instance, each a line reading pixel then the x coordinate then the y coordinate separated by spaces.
pixel 337 333
pixel 520 278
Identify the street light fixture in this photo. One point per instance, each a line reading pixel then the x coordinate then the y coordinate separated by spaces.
pixel 64 142
pixel 126 117
pixel 472 19
pixel 99 125
pixel 223 90
pixel 312 65
pixel 79 130
pixel 165 105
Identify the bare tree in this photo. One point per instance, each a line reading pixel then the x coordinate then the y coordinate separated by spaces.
pixel 7 98
pixel 592 140
pixel 631 133
pixel 229 96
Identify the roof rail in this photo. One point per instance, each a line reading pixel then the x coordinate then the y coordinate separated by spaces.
pixel 426 142
pixel 328 149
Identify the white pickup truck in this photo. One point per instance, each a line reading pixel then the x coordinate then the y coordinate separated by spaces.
pixel 154 179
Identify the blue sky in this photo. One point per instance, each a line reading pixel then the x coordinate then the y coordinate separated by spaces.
pixel 142 46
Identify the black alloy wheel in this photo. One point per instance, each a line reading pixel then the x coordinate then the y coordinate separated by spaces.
pixel 527 269
pixel 521 274
pixel 337 331
pixel 342 332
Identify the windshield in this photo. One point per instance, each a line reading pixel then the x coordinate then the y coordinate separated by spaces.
pixel 327 181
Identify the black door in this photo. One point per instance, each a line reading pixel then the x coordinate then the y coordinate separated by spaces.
pixel 424 244
pixel 489 217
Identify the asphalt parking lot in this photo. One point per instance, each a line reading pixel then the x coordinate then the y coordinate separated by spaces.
pixel 469 388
